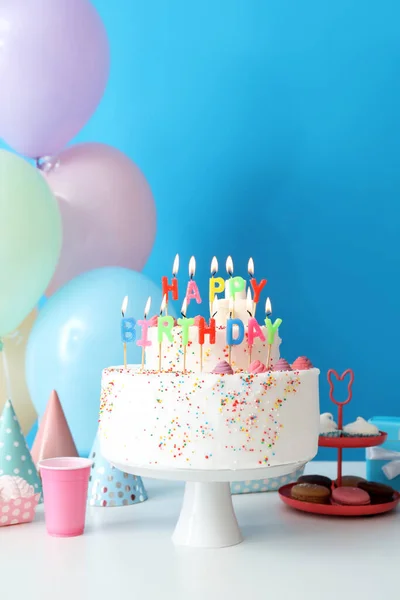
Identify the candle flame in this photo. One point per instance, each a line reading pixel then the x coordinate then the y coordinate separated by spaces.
pixel 214 265
pixel 147 307
pixel 124 306
pixel 175 267
pixel 229 266
pixel 163 304
pixel 192 267
pixel 184 308
pixel 250 267
pixel 231 305
pixel 249 302
pixel 268 307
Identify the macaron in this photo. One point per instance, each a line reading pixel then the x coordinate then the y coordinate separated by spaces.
pixel 311 492
pixel 350 481
pixel 317 479
pixel 378 492
pixel 350 496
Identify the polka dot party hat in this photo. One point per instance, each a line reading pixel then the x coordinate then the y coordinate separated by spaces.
pixel 15 458
pixel 109 486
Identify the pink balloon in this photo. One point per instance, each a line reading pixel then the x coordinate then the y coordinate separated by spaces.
pixel 107 209
pixel 54 64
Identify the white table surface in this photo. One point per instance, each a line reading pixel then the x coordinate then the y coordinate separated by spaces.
pixel 127 553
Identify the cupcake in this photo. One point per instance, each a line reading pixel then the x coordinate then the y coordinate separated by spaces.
pixel 327 426
pixel 360 428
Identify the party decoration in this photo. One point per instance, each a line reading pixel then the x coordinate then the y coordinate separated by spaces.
pixel 54 438
pixel 54 65
pixel 272 328
pixel 13 363
pixel 192 291
pixel 30 237
pixel 77 333
pixel 107 208
pixel 144 324
pixel 109 486
pixel 217 284
pixel 128 333
pixel 15 458
pixel 173 287
pixel 185 323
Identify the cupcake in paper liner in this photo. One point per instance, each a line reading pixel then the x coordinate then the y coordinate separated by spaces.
pixel 328 427
pixel 18 501
pixel 360 428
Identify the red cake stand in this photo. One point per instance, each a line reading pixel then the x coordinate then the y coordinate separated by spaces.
pixel 340 443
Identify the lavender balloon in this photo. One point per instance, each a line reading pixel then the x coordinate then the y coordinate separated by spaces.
pixel 54 64
pixel 107 210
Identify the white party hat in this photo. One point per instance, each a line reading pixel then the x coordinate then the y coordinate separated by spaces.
pixel 109 486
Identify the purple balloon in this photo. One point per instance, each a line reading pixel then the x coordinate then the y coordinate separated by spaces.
pixel 54 65
pixel 107 209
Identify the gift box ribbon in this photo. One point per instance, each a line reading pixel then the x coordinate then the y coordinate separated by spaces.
pixel 392 468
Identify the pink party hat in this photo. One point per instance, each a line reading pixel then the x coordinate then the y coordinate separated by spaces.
pixel 54 437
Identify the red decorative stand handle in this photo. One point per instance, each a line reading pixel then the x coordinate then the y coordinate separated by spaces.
pixel 340 408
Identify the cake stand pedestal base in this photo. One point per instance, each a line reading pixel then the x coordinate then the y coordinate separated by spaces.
pixel 207 518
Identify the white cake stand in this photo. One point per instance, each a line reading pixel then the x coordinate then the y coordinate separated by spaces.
pixel 207 518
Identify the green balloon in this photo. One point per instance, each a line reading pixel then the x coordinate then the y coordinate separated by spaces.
pixel 30 239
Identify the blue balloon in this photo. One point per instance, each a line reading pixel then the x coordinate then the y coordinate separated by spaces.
pixel 76 335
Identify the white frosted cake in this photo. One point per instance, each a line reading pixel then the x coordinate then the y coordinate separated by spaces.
pixel 209 421
pixel 208 401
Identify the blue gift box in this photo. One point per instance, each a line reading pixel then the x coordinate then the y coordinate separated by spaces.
pixel 383 462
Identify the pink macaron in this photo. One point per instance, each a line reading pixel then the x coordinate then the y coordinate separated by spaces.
pixel 350 496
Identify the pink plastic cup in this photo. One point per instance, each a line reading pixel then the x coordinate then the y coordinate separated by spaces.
pixel 65 486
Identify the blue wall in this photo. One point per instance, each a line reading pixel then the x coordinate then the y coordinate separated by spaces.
pixel 272 129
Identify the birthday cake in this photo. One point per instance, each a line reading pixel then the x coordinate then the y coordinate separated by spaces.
pixel 211 394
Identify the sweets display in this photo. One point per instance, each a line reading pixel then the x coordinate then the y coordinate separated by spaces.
pixel 319 489
pixel 311 492
pixel 360 428
pixel 210 395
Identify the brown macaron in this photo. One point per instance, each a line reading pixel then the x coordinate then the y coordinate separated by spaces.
pixel 350 481
pixel 317 479
pixel 378 492
pixel 311 492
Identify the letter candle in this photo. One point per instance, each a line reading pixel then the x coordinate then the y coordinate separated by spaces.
pixel 143 342
pixel 250 308
pixel 231 307
pixel 166 288
pixel 257 287
pixel 271 329
pixel 127 328
pixel 185 324
pixel 192 292
pixel 123 311
pixel 217 284
pixel 204 330
pixel 164 326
